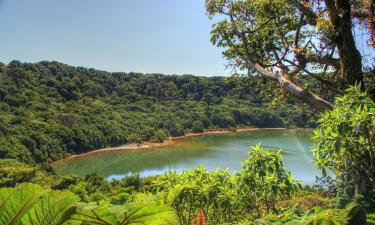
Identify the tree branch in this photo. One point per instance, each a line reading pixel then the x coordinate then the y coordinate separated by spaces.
pixel 305 95
pixel 327 60
pixel 310 14
pixel 360 13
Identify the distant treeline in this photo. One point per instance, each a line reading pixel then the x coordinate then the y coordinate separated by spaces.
pixel 49 109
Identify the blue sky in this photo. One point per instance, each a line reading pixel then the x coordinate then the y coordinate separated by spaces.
pixel 164 36
pixel 149 36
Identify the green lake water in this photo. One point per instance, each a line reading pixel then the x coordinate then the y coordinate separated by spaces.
pixel 211 151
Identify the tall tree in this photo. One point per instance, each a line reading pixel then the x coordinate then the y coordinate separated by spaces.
pixel 290 41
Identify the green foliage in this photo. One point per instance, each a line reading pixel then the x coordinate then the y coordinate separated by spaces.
pixel 197 127
pixel 160 135
pixel 215 192
pixel 264 179
pixel 225 197
pixel 31 204
pixel 120 199
pixel 329 216
pixel 345 141
pixel 314 216
pixel 50 110
pixel 261 36
pixel 134 181
pixel 356 214
pixel 89 188
pixel 370 219
pixel 151 213
pixel 13 172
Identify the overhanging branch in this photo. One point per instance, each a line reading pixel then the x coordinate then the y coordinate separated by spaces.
pixel 305 95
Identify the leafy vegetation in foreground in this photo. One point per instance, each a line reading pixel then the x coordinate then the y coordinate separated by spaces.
pixel 345 141
pixel 49 110
pixel 221 197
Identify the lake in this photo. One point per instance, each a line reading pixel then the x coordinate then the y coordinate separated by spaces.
pixel 212 151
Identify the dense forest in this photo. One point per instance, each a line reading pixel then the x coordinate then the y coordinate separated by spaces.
pixel 49 109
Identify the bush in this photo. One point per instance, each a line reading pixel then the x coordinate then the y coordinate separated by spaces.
pixel 160 135
pixel 344 141
pixel 198 127
pixel 226 197
pixel 13 172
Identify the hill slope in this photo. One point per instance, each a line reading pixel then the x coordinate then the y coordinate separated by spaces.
pixel 49 109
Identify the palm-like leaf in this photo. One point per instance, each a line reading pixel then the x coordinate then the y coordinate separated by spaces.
pixel 153 213
pixel 174 193
pixel 15 202
pixel 141 214
pixel 329 217
pixel 52 209
pixel 32 205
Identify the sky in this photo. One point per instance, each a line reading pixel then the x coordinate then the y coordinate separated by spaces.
pixel 148 36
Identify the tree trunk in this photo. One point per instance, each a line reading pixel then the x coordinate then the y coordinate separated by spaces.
pixel 350 58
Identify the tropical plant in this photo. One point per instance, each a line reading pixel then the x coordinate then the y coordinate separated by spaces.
pixel 213 192
pixel 344 141
pixel 315 216
pixel 30 204
pixel 150 213
pixel 329 216
pixel 224 197
pixel 263 179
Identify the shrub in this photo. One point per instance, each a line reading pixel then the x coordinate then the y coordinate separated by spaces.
pixel 264 180
pixel 344 141
pixel 160 135
pixel 198 127
pixel 13 172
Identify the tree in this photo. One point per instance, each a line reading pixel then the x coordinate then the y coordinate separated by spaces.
pixel 160 135
pixel 345 141
pixel 293 41
pixel 41 122
pixel 198 127
pixel 264 176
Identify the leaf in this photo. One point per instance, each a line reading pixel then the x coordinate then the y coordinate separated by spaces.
pixel 15 202
pixel 324 172
pixel 106 214
pixel 174 193
pixel 51 209
pixel 326 217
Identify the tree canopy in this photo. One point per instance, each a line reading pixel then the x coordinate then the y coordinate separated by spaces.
pixel 49 110
pixel 294 41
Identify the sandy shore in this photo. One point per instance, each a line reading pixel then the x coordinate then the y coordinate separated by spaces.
pixel 171 141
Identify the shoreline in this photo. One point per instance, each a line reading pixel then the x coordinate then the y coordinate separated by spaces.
pixel 169 142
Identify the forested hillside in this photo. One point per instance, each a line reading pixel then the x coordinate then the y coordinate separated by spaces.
pixel 49 109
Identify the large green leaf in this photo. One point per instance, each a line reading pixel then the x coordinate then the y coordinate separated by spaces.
pixel 105 214
pixel 52 209
pixel 30 204
pixel 326 217
pixel 15 202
